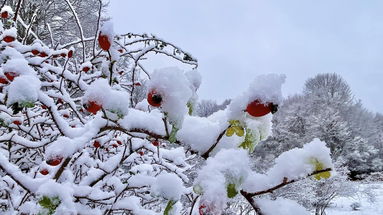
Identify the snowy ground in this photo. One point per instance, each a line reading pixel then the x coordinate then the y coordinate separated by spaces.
pixel 341 206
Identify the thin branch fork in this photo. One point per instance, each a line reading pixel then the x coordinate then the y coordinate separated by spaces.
pixel 249 196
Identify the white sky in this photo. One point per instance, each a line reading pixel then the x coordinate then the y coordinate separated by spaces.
pixel 236 40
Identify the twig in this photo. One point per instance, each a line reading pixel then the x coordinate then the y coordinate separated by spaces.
pixel 17 10
pixel 79 27
pixel 207 153
pixel 97 28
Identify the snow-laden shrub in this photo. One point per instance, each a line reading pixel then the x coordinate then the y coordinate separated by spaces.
pixel 76 138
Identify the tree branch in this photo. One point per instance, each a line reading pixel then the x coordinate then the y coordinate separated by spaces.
pixel 207 153
pixel 286 182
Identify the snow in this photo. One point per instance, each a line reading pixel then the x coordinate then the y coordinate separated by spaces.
pixel 132 203
pixel 136 119
pixel 135 176
pixel 194 78
pixel 86 64
pixel 281 206
pixel 107 29
pixel 265 88
pixel 228 166
pixel 168 186
pixel 293 164
pixel 6 8
pixel 342 205
pixel 110 99
pixel 172 84
pixel 19 66
pixel 9 32
pixel 63 191
pixel 23 89
pixel 199 133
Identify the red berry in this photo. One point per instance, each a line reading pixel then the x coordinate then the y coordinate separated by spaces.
pixel 104 42
pixel 54 161
pixel 3 80
pixel 43 54
pixel 119 142
pixel 137 84
pixel 17 122
pixel 4 15
pixel 35 52
pixel 115 145
pixel 155 143
pixel 70 53
pixel 93 107
pixel 63 54
pixel 73 126
pixel 10 75
pixel 66 116
pixel 44 107
pixel 141 153
pixel 154 99
pixel 258 109
pixel 8 39
pixel 121 50
pixel 59 101
pixel 86 69
pixel 44 172
pixel 55 56
pixel 96 144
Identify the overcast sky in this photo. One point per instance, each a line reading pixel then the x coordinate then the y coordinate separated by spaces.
pixel 236 40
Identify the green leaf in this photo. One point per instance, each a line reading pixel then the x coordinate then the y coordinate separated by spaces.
pixel 50 204
pixel 45 202
pixel 249 142
pixel 169 207
pixel 2 123
pixel 27 104
pixel 190 106
pixel 172 136
pixel 231 191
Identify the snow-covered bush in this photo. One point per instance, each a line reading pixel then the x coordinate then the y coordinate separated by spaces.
pixel 76 138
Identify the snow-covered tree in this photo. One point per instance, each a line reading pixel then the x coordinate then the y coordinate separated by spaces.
pixel 205 108
pixel 326 110
pixel 79 137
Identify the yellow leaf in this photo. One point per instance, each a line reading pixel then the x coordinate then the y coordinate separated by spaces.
pixel 239 131
pixel 318 167
pixel 229 132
